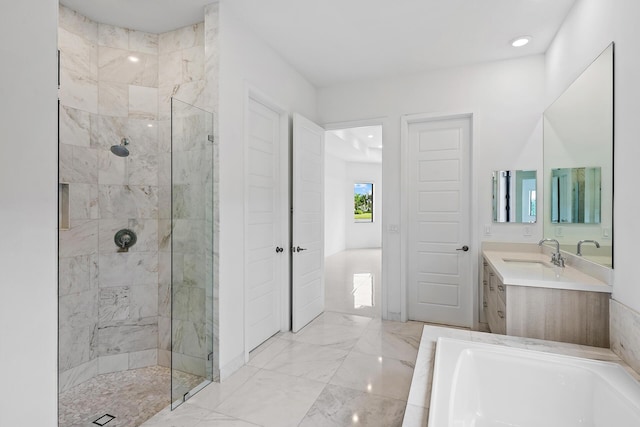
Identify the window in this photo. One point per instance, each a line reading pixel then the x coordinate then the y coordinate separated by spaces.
pixel 363 202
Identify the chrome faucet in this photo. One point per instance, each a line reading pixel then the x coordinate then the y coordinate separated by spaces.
pixel 579 252
pixel 556 258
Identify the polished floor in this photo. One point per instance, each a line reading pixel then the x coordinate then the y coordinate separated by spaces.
pixel 340 370
pixel 347 367
pixel 353 282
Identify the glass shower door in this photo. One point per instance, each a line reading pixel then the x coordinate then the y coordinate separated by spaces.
pixel 191 250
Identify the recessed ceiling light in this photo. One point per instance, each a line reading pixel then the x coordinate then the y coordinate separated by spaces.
pixel 150 125
pixel 521 41
pixel 369 136
pixel 133 58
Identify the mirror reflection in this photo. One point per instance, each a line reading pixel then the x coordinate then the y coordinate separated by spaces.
pixel 578 163
pixel 575 195
pixel 515 196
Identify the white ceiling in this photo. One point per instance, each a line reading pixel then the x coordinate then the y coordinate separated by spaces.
pixel 361 144
pixel 336 41
pixel 152 16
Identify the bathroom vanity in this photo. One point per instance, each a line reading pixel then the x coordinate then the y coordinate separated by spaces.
pixel 525 295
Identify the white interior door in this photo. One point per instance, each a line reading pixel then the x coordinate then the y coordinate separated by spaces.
pixel 438 207
pixel 263 231
pixel 307 222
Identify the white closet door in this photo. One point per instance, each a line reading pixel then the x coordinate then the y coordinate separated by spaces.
pixel 308 222
pixel 438 266
pixel 262 228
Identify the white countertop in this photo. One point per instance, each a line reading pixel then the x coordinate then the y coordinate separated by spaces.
pixel 541 275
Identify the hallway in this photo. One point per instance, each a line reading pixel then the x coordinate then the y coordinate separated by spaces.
pixel 353 282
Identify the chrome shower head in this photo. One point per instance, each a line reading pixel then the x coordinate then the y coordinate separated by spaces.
pixel 121 149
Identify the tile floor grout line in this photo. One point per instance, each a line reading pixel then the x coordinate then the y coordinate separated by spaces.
pixel 312 405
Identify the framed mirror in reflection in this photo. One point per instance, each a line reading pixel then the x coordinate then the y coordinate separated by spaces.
pixel 575 196
pixel 578 163
pixel 515 196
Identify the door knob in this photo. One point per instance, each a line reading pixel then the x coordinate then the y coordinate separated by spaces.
pixel 465 248
pixel 299 249
pixel 279 249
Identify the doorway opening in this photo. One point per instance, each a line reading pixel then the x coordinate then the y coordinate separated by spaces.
pixel 353 218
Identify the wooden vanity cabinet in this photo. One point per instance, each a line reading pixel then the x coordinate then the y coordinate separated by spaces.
pixel 578 317
pixel 494 302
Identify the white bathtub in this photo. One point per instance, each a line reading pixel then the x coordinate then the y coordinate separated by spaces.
pixel 481 385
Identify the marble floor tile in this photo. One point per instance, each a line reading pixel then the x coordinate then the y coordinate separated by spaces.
pixel 215 393
pixel 264 353
pixel 262 399
pixel 389 344
pixel 340 281
pixel 333 335
pixel 345 319
pixel 216 419
pixel 310 361
pixel 411 328
pixel 378 375
pixel 184 416
pixel 339 406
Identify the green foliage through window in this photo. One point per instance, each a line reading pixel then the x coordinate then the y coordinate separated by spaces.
pixel 363 202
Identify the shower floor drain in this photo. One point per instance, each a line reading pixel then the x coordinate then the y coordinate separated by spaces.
pixel 103 420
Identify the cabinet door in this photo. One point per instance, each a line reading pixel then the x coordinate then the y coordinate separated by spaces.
pixel 492 317
pixel 484 287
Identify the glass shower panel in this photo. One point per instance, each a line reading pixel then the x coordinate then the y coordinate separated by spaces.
pixel 191 250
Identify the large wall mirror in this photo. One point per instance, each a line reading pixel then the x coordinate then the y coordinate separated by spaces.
pixel 578 163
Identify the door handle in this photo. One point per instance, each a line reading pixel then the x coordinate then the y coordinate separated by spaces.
pixel 465 248
pixel 299 249
pixel 279 249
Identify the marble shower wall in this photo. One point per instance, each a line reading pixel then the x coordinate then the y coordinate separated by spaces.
pixel 108 300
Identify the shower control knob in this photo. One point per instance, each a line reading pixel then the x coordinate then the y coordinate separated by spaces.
pixel 124 239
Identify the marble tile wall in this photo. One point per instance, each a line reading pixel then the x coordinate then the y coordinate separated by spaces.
pixel 624 325
pixel 79 259
pixel 108 300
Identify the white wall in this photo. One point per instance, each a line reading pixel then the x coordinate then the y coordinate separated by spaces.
pixel 336 197
pixel 28 213
pixel 245 61
pixel 364 234
pixel 506 98
pixel 589 28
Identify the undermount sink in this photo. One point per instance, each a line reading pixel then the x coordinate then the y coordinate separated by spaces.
pixel 527 262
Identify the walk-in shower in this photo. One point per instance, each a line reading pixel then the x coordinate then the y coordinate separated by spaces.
pixel 136 234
